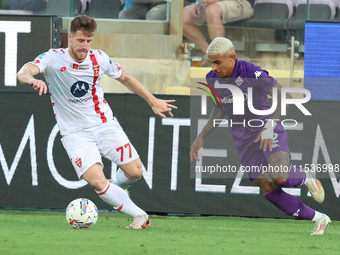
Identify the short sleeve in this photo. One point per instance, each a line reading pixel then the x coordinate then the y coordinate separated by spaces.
pixel 262 79
pixel 111 68
pixel 43 61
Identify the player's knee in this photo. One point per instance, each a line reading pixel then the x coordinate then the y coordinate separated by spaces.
pixel 137 173
pixel 279 181
pixel 267 189
pixel 98 184
pixel 266 185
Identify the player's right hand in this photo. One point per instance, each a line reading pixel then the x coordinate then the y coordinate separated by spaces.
pixel 39 85
pixel 198 143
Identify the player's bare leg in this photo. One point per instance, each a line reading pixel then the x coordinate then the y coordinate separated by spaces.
pixel 272 183
pixel 127 175
pixel 113 194
pixel 294 177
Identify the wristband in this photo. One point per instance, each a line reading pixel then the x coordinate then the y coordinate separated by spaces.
pixel 268 130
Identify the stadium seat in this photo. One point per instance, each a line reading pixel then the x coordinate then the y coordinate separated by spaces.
pixel 319 10
pixel 272 14
pixel 266 28
pixel 269 13
pixel 31 5
pixel 98 8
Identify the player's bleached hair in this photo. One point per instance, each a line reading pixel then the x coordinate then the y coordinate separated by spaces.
pixel 83 23
pixel 222 46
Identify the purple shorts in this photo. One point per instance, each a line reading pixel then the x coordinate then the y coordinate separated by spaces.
pixel 252 158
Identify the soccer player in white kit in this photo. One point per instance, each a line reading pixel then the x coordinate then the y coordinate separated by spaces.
pixel 86 122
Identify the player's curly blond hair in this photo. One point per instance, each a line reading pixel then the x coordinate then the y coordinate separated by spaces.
pixel 222 46
pixel 83 23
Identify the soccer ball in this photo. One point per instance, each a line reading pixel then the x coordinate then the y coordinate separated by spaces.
pixel 81 213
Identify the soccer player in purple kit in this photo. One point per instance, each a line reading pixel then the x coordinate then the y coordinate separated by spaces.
pixel 259 145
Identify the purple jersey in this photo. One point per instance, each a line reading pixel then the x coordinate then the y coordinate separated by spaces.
pixel 247 75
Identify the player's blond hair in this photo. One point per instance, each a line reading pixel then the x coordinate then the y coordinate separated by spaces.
pixel 222 46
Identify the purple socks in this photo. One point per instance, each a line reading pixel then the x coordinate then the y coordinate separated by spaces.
pixel 290 204
pixel 295 179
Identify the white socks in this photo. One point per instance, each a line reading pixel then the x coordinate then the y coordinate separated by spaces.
pixel 318 215
pixel 115 195
pixel 122 180
pixel 119 200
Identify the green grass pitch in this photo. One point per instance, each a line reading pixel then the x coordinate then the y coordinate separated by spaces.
pixel 47 232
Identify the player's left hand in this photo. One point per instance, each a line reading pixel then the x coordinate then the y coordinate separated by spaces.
pixel 267 135
pixel 195 147
pixel 162 106
pixel 265 143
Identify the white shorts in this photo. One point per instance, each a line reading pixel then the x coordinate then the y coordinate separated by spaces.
pixel 86 146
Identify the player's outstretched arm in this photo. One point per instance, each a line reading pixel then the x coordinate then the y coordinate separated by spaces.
pixel 159 106
pixel 26 76
pixel 217 113
pixel 195 147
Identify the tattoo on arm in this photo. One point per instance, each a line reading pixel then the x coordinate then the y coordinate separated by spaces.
pixel 217 113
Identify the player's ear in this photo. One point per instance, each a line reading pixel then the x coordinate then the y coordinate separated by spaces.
pixel 69 36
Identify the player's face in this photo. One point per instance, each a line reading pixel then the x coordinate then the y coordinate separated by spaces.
pixel 222 65
pixel 79 45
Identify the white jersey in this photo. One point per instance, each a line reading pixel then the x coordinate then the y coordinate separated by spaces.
pixel 77 97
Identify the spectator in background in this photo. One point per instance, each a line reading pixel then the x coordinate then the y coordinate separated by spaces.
pixel 214 13
pixel 147 11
